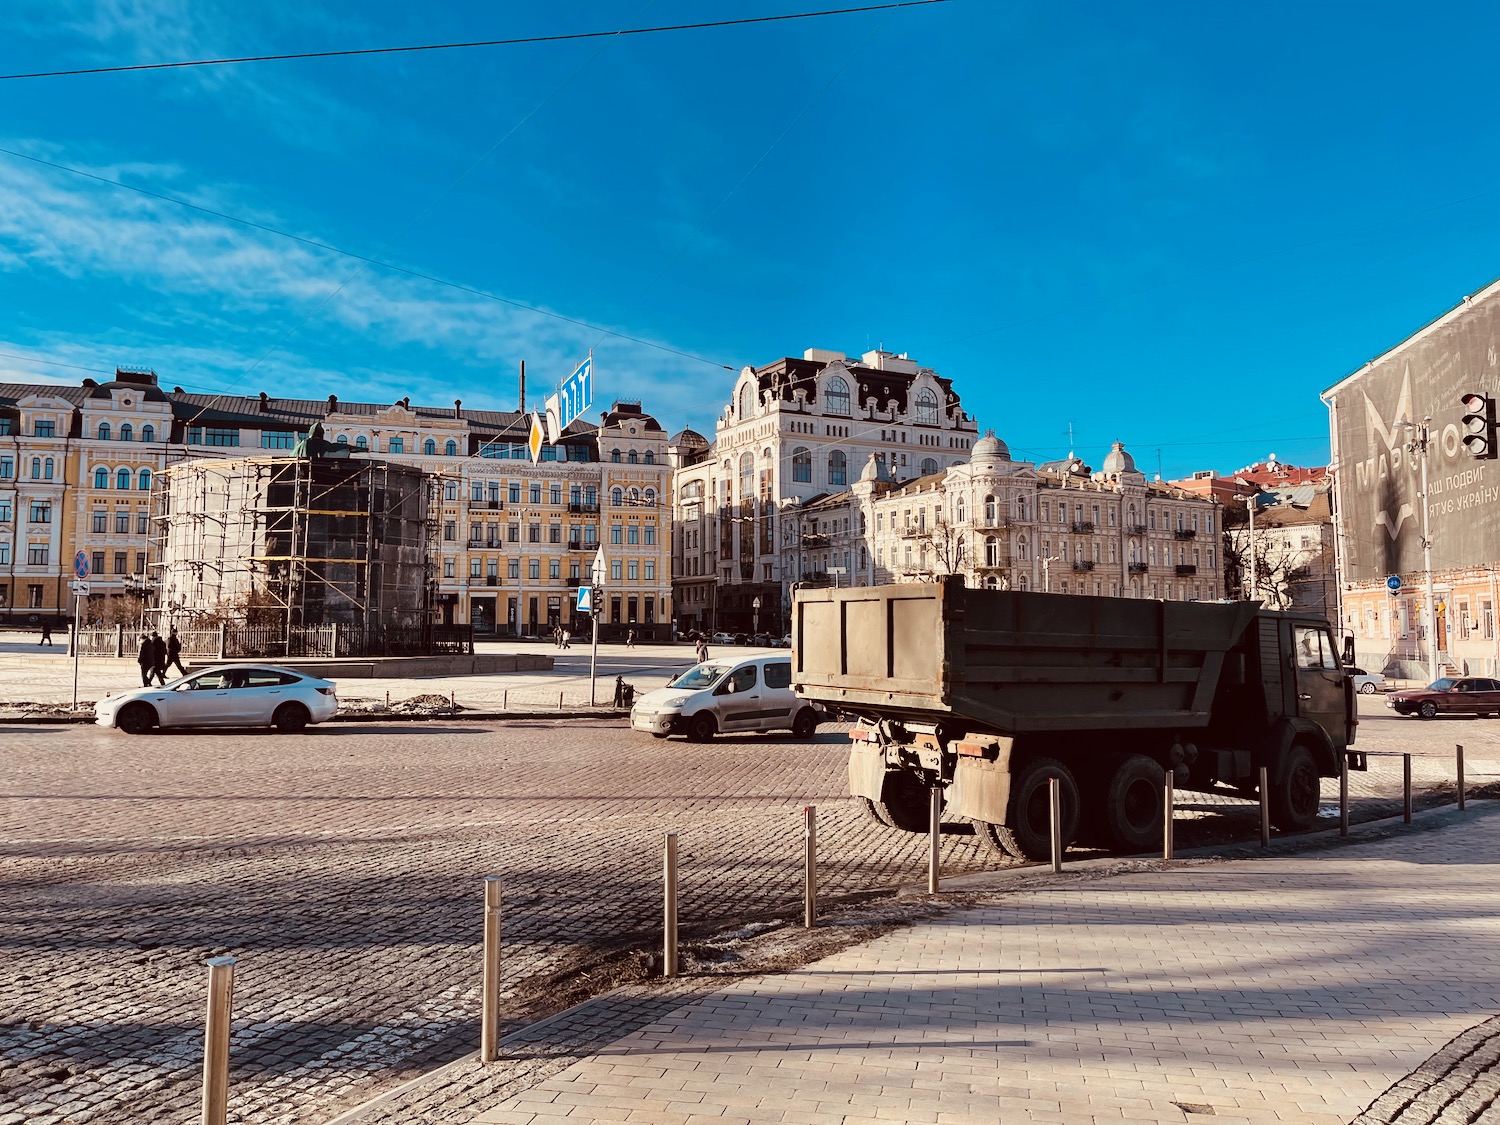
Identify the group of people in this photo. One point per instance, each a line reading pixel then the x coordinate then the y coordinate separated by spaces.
pixel 562 638
pixel 158 654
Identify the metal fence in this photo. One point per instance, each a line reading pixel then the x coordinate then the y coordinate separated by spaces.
pixel 303 641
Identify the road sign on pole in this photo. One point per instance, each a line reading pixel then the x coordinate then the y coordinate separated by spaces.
pixel 1393 583
pixel 81 564
pixel 585 599
pixel 81 589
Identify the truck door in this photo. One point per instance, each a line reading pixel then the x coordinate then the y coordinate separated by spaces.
pixel 1320 681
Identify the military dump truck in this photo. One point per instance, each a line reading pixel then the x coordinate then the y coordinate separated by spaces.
pixel 988 694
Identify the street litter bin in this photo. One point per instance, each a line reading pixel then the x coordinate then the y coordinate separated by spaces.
pixel 624 693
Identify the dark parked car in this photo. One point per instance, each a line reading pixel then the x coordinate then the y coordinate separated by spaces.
pixel 1471 695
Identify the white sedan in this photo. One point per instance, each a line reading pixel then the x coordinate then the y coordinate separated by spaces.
pixel 1366 683
pixel 237 695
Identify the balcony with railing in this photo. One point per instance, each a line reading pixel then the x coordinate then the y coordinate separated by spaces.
pixel 1083 564
pixel 484 580
pixel 1186 533
pixel 1138 568
pixel 584 509
pixel 812 541
pixel 1083 527
pixel 490 505
pixel 1135 529
pixel 1186 570
pixel 994 562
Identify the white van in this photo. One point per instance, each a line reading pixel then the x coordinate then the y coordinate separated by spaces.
pixel 727 695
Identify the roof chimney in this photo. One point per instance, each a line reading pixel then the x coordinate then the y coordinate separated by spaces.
pixel 263 399
pixel 458 408
pixel 333 403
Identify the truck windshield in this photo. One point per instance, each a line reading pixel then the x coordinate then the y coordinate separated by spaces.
pixel 700 676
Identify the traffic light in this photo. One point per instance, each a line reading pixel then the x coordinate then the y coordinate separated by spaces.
pixel 1479 426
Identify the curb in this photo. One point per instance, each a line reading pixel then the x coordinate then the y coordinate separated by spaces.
pixel 463 716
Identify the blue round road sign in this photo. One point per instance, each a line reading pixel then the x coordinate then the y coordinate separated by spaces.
pixel 81 565
pixel 1393 583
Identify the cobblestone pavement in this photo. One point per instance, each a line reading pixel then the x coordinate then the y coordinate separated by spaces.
pixel 1286 991
pixel 343 868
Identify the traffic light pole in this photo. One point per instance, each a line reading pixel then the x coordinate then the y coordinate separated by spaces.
pixel 1432 642
pixel 594 657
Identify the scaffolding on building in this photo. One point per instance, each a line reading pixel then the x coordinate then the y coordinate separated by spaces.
pixel 299 555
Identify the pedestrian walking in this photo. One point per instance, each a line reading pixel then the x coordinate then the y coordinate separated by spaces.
pixel 158 657
pixel 630 638
pixel 702 651
pixel 146 658
pixel 174 651
pixel 47 632
pixel 567 638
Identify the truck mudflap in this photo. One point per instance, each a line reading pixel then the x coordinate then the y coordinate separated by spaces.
pixel 867 770
pixel 980 789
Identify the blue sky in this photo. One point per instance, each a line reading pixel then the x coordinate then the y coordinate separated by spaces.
pixel 1169 224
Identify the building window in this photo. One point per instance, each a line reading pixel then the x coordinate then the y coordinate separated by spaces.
pixel 476 491
pixel 41 511
pixel 649 457
pixel 7 468
pixel 449 569
pixel 929 466
pixel 515 492
pixel 101 522
pixel 838 467
pixel 631 458
pixel 927 408
pixel 554 569
pixel 554 533
pixel 42 429
pixel 650 533
pixel 103 431
pixel 615 534
pixel 513 532
pixel 614 456
pixel 143 481
pixel 836 397
pixel 398 445
pixel 534 533
pixel 96 562
pixel 633 571
pixel 801 465
pixel 450 448
pixel 534 569
pixel 633 535
pixel 126 432
pixel 148 433
pixel 36 555
pixel 121 562
pixel 450 490
pixel 429 448
pixel 536 492
pixel 277 439
pixel 101 478
pixel 142 523
pixel 47 469
pixel 614 570
pixel 122 522
pixel 616 496
pixel 450 531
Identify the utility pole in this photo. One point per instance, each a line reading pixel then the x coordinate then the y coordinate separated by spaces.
pixel 1250 551
pixel 1047 561
pixel 597 574
pixel 1420 443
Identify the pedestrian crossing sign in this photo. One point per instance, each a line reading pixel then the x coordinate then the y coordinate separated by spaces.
pixel 585 599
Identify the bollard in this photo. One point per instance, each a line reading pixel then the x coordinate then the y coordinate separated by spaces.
pixel 453 701
pixel 489 1021
pixel 1460 748
pixel 505 700
pixel 1406 788
pixel 216 1041
pixel 934 836
pixel 1344 795
pixel 1166 816
pixel 1265 808
pixel 1054 797
pixel 669 922
pixel 810 866
pixel 559 701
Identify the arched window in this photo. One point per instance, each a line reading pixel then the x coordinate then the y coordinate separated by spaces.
pixel 127 432
pixel 614 456
pixel 635 495
pixel 801 465
pixel 838 467
pixel 361 442
pixel 747 475
pixel 122 479
pixel 649 458
pixel 103 431
pixel 450 448
pixel 990 511
pixel 343 439
pixel 747 401
pixel 927 408
pixel 958 510
pixel 144 480
pixel 617 496
pixel 148 433
pixel 649 496
pixel 429 447
pixel 991 551
pixel 836 397
pixel 929 466
pixel 47 470
pixel 101 478
pixel 632 458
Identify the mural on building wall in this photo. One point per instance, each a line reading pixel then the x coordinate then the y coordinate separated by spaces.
pixel 1379 477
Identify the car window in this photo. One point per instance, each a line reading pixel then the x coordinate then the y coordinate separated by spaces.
pixel 212 681
pixel 741 679
pixel 779 674
pixel 264 677
pixel 699 676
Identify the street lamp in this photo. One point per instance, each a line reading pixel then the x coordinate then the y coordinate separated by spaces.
pixel 1047 561
pixel 1249 499
pixel 1420 443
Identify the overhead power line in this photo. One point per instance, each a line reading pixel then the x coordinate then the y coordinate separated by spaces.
pixel 520 41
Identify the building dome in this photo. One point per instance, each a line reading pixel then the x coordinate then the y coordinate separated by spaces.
pixel 989 450
pixel 1118 461
pixel 875 469
pixel 692 439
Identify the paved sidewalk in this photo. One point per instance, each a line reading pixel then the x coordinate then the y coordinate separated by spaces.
pixel 1287 989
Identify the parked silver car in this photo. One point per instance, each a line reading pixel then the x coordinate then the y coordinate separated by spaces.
pixel 236 695
pixel 726 696
pixel 1366 683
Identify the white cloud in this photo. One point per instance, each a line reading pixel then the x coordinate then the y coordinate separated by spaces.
pixel 208 298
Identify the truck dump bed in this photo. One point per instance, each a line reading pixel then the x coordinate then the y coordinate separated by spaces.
pixel 1012 662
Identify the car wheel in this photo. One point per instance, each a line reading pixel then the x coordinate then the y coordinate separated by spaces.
pixel 1367 688
pixel 290 718
pixel 805 725
pixel 1428 710
pixel 136 718
pixel 1294 799
pixel 702 727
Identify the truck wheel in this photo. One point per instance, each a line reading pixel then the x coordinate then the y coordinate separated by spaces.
pixel 1132 805
pixel 872 810
pixel 701 727
pixel 903 802
pixel 1027 831
pixel 1294 799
